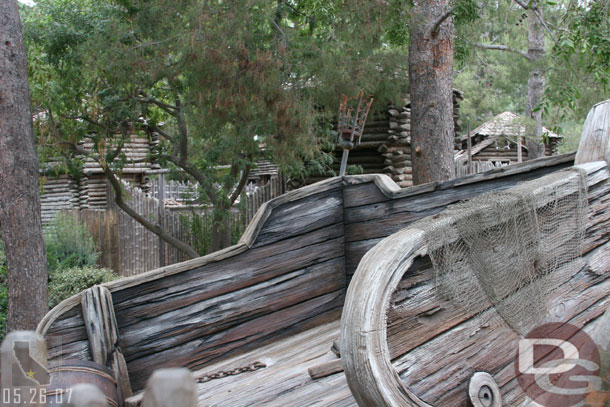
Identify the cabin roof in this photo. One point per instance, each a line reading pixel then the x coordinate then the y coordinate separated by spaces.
pixel 506 124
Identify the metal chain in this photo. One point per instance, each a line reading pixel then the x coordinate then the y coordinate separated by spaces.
pixel 224 373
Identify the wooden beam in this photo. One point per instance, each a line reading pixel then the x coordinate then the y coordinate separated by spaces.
pixel 325 369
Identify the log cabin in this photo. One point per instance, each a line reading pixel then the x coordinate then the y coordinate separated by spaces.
pixel 91 191
pixel 497 142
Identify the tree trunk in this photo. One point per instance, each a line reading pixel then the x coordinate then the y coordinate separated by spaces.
pixel 430 86
pixel 535 84
pixel 19 181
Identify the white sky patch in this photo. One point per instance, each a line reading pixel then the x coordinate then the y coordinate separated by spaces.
pixel 28 2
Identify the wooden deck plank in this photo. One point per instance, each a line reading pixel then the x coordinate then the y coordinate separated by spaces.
pixel 285 381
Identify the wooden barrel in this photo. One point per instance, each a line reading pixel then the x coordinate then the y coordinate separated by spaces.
pixel 71 372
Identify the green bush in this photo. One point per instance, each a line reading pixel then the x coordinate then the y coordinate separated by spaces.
pixel 72 257
pixel 69 243
pixel 65 283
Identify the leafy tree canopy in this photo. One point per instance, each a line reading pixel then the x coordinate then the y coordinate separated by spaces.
pixel 221 83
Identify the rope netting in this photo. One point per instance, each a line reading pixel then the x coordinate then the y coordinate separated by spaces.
pixel 502 249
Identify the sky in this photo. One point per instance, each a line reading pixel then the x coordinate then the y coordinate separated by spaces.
pixel 28 2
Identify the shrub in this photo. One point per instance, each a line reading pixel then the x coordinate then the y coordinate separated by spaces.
pixel 72 257
pixel 69 243
pixel 67 282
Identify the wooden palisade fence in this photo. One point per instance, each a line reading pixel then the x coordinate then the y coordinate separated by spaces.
pixel 129 248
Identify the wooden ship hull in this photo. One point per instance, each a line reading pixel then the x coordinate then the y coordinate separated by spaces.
pixel 333 265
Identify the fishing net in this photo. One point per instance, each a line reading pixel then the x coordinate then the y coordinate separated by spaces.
pixel 501 249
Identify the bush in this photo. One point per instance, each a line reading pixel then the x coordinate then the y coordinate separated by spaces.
pixel 72 257
pixel 67 282
pixel 69 243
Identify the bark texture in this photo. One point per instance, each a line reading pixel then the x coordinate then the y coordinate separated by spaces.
pixel 430 84
pixel 535 84
pixel 19 181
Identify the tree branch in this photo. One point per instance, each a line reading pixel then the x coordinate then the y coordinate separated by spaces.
pixel 522 4
pixel 171 109
pixel 153 227
pixel 240 186
pixel 437 25
pixel 503 48
pixel 199 176
pixel 118 198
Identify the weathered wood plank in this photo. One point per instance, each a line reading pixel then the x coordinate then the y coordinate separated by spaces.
pixel 285 381
pixel 221 312
pixel 295 218
pixel 155 297
pixel 240 338
pixel 383 218
pixel 358 190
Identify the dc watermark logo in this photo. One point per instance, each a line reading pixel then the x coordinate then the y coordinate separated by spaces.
pixel 559 365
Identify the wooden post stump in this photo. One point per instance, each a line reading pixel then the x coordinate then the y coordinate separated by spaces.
pixel 170 387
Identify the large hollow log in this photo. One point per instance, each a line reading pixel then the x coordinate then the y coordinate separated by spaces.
pixel 379 373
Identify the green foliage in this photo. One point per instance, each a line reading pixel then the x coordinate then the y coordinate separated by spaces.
pixel 69 244
pixel 199 225
pixel 103 70
pixel 64 283
pixel 72 268
pixel 576 63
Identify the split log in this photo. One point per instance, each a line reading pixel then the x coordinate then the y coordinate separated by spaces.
pixel 103 335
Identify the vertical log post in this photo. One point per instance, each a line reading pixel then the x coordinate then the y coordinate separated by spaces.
pixel 170 387
pixel 469 150
pixel 161 197
pixel 103 334
pixel 24 368
pixel 595 140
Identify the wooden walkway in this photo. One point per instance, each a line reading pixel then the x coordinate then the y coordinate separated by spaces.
pixel 285 381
